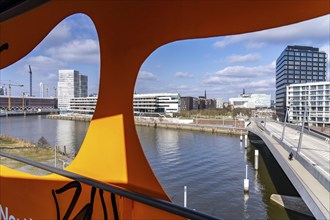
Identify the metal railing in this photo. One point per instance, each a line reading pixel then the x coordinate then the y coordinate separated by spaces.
pixel 154 202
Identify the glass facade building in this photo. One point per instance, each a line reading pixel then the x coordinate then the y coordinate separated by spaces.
pixel 297 64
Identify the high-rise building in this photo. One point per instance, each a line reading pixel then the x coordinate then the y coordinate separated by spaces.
pixel 83 85
pixel 297 64
pixel 70 85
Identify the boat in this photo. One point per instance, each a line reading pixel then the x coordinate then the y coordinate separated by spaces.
pixel 110 178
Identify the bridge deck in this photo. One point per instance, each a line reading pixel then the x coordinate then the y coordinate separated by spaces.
pixel 314 151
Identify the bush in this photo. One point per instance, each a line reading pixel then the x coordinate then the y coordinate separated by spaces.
pixel 42 142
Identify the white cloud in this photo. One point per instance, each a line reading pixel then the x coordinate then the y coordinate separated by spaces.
pixel 42 63
pixel 258 84
pixel 243 58
pixel 79 50
pixel 223 80
pixel 183 75
pixel 265 89
pixel 254 45
pixel 144 75
pixel 226 41
pixel 309 32
pixel 230 81
pixel 61 31
pixel 247 72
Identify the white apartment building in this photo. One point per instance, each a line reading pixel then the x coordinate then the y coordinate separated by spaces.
pixel 156 103
pixel 251 101
pixel 71 84
pixel 312 96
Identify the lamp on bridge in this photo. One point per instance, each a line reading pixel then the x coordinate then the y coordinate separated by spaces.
pixel 285 119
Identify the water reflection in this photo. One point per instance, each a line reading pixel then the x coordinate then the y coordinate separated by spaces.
pixel 246 198
pixel 57 132
pixel 65 134
pixel 211 166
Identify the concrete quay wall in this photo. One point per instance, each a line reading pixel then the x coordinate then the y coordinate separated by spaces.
pixel 72 117
pixel 187 124
pixel 172 123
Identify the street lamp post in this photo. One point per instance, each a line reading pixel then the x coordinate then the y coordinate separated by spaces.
pixel 284 125
pixel 301 131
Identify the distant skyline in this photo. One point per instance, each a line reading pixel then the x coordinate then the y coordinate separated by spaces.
pixel 223 66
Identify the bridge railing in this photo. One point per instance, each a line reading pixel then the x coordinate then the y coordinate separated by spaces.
pixel 312 168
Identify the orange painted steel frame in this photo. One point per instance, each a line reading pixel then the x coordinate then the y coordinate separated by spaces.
pixel 128 31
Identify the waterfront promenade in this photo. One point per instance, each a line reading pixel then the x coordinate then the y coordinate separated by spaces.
pixel 308 171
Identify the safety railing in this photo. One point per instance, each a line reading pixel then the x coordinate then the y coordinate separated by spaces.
pixel 154 202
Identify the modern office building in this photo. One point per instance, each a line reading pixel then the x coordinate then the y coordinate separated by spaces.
pixel 157 103
pixel 314 98
pixel 71 84
pixel 83 85
pixel 83 105
pixel 251 101
pixel 297 64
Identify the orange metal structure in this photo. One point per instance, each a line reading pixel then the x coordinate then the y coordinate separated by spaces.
pixel 128 32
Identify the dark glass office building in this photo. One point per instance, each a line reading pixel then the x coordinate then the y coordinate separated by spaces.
pixel 297 64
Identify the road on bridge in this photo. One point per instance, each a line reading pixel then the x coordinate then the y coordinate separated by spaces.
pixel 316 149
pixel 309 172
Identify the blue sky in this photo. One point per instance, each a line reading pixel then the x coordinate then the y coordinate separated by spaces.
pixel 222 66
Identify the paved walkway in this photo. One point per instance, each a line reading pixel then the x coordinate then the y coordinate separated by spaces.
pixel 314 194
pixel 317 150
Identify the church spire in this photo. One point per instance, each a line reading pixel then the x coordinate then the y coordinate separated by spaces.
pixel 205 94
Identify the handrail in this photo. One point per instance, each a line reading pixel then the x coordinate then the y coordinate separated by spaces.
pixel 154 202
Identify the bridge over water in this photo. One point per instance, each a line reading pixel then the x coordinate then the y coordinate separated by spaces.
pixel 309 171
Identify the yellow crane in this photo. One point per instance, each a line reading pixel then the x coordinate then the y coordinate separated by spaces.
pixel 9 92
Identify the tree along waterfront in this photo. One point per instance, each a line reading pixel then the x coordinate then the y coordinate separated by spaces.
pixel 212 166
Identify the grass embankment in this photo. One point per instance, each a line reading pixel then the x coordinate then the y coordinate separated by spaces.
pixel 44 154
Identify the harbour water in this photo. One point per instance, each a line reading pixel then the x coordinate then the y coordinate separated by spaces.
pixel 212 166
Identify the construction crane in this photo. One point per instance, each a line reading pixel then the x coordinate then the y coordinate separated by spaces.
pixel 23 103
pixel 9 92
pixel 30 71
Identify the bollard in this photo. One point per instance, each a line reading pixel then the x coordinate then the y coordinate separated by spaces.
pixel 246 180
pixel 185 197
pixel 256 159
pixel 241 138
pixel 64 150
pixel 55 159
pixel 245 137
